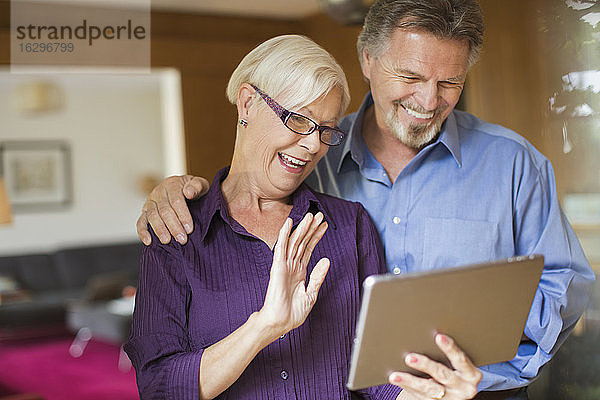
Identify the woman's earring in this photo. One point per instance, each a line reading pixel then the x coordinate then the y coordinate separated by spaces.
pixel 243 123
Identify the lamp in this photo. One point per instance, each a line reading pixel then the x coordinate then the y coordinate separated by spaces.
pixel 346 12
pixel 5 210
pixel 37 97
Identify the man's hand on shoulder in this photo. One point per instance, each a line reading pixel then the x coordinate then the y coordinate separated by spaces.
pixel 166 209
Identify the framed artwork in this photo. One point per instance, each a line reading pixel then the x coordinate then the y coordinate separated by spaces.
pixel 37 174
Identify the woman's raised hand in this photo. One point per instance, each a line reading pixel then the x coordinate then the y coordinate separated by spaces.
pixel 289 300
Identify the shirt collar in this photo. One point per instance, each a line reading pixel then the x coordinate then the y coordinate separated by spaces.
pixel 450 137
pixel 303 201
pixel 213 202
pixel 355 144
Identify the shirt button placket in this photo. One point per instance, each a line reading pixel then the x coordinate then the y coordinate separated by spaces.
pixel 395 255
pixel 286 367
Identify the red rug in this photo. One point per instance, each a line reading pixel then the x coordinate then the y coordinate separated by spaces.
pixel 47 368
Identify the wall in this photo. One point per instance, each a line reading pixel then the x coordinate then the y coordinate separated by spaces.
pixel 113 125
pixel 340 41
pixel 504 86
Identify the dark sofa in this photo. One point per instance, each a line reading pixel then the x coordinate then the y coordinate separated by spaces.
pixel 51 281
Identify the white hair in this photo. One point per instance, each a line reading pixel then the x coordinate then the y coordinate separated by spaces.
pixel 292 69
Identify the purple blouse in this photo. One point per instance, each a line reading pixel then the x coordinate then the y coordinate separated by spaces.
pixel 192 296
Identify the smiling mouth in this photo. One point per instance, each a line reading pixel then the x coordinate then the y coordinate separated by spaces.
pixel 419 115
pixel 293 164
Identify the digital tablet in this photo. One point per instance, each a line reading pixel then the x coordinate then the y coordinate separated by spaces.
pixel 483 307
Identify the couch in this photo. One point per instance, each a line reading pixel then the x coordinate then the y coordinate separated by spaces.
pixel 47 283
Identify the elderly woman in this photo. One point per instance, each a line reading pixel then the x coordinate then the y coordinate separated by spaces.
pixel 227 314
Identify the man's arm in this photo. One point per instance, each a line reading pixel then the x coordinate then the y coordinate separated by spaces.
pixel 166 209
pixel 540 227
pixel 167 212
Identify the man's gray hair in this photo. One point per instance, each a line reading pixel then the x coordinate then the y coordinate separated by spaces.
pixel 445 19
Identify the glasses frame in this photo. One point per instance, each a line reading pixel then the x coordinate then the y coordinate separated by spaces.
pixel 285 115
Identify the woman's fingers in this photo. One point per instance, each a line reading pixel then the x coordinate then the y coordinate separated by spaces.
pixel 298 235
pixel 280 250
pixel 458 358
pixel 293 251
pixel 317 276
pixel 436 370
pixel 314 239
pixel 419 387
pixel 460 382
pixel 304 245
pixel 302 238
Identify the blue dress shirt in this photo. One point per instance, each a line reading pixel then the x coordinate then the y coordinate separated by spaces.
pixel 479 192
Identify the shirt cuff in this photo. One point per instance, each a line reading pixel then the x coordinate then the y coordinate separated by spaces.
pixel 163 370
pixel 509 375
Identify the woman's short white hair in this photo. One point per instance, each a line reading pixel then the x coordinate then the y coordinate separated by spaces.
pixel 293 70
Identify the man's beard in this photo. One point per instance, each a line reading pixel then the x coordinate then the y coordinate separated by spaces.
pixel 415 136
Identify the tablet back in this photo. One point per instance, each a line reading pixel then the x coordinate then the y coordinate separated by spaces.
pixel 484 307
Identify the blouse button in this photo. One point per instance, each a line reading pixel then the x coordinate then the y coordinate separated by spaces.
pixel 396 220
pixel 284 375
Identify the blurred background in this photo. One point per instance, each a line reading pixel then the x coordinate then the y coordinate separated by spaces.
pixel 81 151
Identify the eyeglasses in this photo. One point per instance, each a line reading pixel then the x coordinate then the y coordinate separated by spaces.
pixel 302 125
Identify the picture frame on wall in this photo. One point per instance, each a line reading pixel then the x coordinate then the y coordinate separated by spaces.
pixel 37 174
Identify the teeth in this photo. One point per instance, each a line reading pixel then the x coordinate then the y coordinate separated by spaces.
pixel 293 161
pixel 418 114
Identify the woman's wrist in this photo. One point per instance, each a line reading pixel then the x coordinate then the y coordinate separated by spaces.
pixel 266 329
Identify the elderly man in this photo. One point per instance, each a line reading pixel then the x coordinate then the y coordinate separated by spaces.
pixel 443 187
